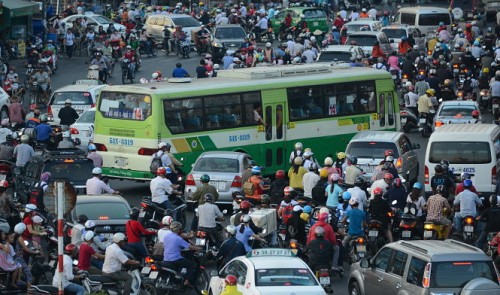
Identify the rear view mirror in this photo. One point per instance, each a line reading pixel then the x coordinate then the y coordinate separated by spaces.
pixel 364 263
pixel 224 211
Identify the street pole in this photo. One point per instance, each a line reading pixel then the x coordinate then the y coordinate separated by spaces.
pixel 44 20
pixel 60 228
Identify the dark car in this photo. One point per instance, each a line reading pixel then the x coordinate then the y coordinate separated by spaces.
pixel 70 165
pixel 226 38
pixel 109 212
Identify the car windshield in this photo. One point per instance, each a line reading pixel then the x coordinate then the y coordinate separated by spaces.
pixel 395 33
pixel 327 56
pixel 457 111
pixel 100 210
pixel 460 152
pixel 457 274
pixel 102 20
pixel 284 277
pixel 362 40
pixel 371 149
pixel 357 28
pixel 76 97
pixel 87 117
pixel 60 170
pixel 230 33
pixel 186 22
pixel 217 165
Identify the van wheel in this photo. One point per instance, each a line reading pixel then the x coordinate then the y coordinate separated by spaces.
pixel 354 289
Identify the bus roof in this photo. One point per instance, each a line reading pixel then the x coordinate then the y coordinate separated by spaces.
pixel 262 77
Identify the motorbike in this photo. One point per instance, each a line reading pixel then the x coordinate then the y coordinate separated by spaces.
pixel 425 124
pixel 264 37
pixel 97 284
pixel 184 48
pixel 434 231
pixel 395 77
pixel 495 104
pixel 203 44
pixel 116 51
pixel 49 58
pixel 376 238
pixel 152 46
pixel 409 120
pixel 323 274
pixel 204 240
pixel 238 197
pixel 166 278
pixel 151 213
pixel 357 249
pixel 484 98
pixel 468 225
pixel 127 72
pixel 410 224
pixel 491 250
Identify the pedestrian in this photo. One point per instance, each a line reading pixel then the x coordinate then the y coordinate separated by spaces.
pixel 69 41
pixel 67 114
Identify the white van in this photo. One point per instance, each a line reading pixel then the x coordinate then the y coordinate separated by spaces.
pixel 426 19
pixel 470 148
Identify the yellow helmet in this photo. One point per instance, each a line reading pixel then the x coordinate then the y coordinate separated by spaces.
pixel 486 70
pixel 323 173
pixel 341 155
pixel 431 92
pixel 201 4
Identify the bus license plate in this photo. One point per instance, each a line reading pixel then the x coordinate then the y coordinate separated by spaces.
pixel 406 234
pixel 373 233
pixel 153 275
pixel 469 228
pixel 361 248
pixel 121 162
pixel 145 270
pixel 428 234
pixel 324 280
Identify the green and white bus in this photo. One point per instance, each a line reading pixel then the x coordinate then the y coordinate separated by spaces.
pixel 320 105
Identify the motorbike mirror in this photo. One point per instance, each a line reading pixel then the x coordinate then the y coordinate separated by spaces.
pixel 394 202
pixel 405 210
pixel 369 189
pixel 413 211
pixel 224 211
pixel 364 263
pixel 196 210
pixel 17 171
pixel 440 100
pixel 403 180
pixel 26 243
pixel 75 262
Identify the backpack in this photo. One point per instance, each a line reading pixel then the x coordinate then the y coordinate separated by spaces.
pixel 318 192
pixel 155 163
pixel 467 85
pixel 287 213
pixel 248 188
pixel 35 195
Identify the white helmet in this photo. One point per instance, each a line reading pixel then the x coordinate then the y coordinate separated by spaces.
pixel 231 229
pixel 89 224
pixel 118 237
pixel 89 235
pixel 328 161
pixel 154 75
pixel 268 44
pixel 162 144
pixel 167 220
pixel 298 145
pixel 30 207
pixel 20 228
pixel 97 171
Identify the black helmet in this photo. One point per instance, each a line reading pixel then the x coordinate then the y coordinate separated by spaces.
pixel 265 199
pixel 208 197
pixel 134 213
pixel 9 137
pixel 438 169
pixel 353 160
pixel 359 181
pixel 445 164
pixel 82 218
pixel 493 200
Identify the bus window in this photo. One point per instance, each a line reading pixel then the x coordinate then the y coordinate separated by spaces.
pixel 119 105
pixel 381 109
pixel 268 120
pixel 279 121
pixel 305 102
pixel 390 109
pixel 222 111
pixel 250 100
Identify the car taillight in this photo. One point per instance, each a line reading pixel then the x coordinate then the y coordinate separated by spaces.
pixel 426 175
pixel 426 280
pixel 146 151
pixel 49 110
pixel 494 175
pixel 101 147
pixel 190 180
pixel 438 124
pixel 236 181
pixel 74 130
pixel 92 105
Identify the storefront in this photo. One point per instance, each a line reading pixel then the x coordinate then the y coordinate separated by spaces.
pixel 16 18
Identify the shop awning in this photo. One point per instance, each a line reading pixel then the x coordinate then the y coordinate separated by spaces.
pixel 20 8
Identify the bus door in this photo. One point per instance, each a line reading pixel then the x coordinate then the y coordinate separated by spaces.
pixel 275 145
pixel 386 116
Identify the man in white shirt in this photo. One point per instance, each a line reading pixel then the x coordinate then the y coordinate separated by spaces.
pixel 163 155
pixel 67 276
pixel 161 187
pixel 95 186
pixel 310 179
pixel 113 261
pixel 309 54
pixel 207 215
pixel 357 192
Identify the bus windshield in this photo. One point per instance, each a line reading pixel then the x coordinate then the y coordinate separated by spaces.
pixel 128 106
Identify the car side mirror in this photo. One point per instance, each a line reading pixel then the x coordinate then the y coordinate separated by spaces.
pixel 17 171
pixel 364 263
pixel 416 146
pixel 214 273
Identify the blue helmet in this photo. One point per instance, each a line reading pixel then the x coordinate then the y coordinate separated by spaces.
pixel 467 183
pixel 465 175
pixel 92 147
pixel 441 23
pixel 418 185
pixel 307 209
pixel 168 170
pixel 346 196
pixel 256 170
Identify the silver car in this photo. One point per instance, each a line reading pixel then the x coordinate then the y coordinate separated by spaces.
pixel 456 112
pixel 225 170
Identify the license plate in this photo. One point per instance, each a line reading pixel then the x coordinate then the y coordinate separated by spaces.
pixel 142 214
pixel 121 162
pixel 406 234
pixel 373 233
pixel 469 229
pixel 428 234
pixel 495 105
pixel 153 275
pixel 455 70
pixel 484 98
pixel 200 242
pixel 361 248
pixel 422 121
pixel 324 280
pixel 394 77
pixel 368 169
pixel 145 270
pixel 221 185
pixel 403 120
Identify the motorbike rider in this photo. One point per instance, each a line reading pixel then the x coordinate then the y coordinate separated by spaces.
pixel 352 171
pixel 259 185
pixel 447 92
pixel 397 193
pixel 358 191
pixel 88 258
pixel 162 188
pixel 113 261
pixel 245 207
pixel 230 248
pixel 436 205
pixel 357 220
pixel 490 216
pixel 425 105
pixel 66 142
pixel 130 56
pixel 163 154
pixel 310 179
pixel 144 41
pixel 277 186
pixel 177 37
pixel 468 202
pixel 411 99
pixel 261 26
pixel 383 184
pixel 103 67
pixel 203 38
pixel 319 250
pixel 43 82
pixel 208 213
pixel 441 178
pixel 205 188
pixel 95 186
pixel 244 232
pixel 379 209
pixel 298 150
pixel 135 231
pixel 328 235
pixel 460 185
pixel 333 191
pixel 69 254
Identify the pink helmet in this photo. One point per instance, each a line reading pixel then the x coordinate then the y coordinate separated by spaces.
pixel 334 177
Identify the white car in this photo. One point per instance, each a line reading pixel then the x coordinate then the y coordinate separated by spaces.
pixel 268 271
pixel 94 19
pixel 456 112
pixel 4 104
pixel 83 128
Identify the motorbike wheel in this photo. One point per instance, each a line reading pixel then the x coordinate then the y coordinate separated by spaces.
pixel 154 51
pixel 148 289
pixel 406 128
pixel 426 132
pixel 124 76
pixel 202 281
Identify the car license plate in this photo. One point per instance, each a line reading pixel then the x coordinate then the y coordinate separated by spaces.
pixel 403 120
pixel 221 186
pixel 495 105
pixel 145 270
pixel 368 169
pixel 361 248
pixel 373 233
pixel 469 229
pixel 121 162
pixel 142 214
pixel 428 234
pixel 153 275
pixel 422 120
pixel 324 280
pixel 406 234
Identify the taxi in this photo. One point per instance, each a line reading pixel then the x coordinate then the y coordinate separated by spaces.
pixel 268 271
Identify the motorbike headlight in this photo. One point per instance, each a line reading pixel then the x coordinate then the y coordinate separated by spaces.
pixel 429 226
pixel 483 93
pixel 217 44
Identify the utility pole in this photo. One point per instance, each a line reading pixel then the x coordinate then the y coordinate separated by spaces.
pixel 44 20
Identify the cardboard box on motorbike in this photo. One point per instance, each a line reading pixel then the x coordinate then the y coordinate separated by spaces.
pixel 263 218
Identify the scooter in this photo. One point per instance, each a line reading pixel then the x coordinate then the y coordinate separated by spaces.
pixel 425 123
pixel 323 274
pixel 410 224
pixel 185 48
pixel 409 120
pixel 484 98
pixel 127 72
pixel 376 237
pixel 468 225
pixel 357 249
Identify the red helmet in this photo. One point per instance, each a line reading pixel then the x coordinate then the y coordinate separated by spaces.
pixel 475 114
pixel 288 190
pixel 388 176
pixel 161 171
pixel 4 183
pixel 70 248
pixel 280 174
pixel 378 191
pixel 388 153
pixel 468 26
pixel 245 205
pixel 397 182
pixel 231 280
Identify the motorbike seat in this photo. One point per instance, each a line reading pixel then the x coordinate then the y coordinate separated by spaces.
pixel 169 267
pixel 102 279
pixel 409 216
pixel 374 221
